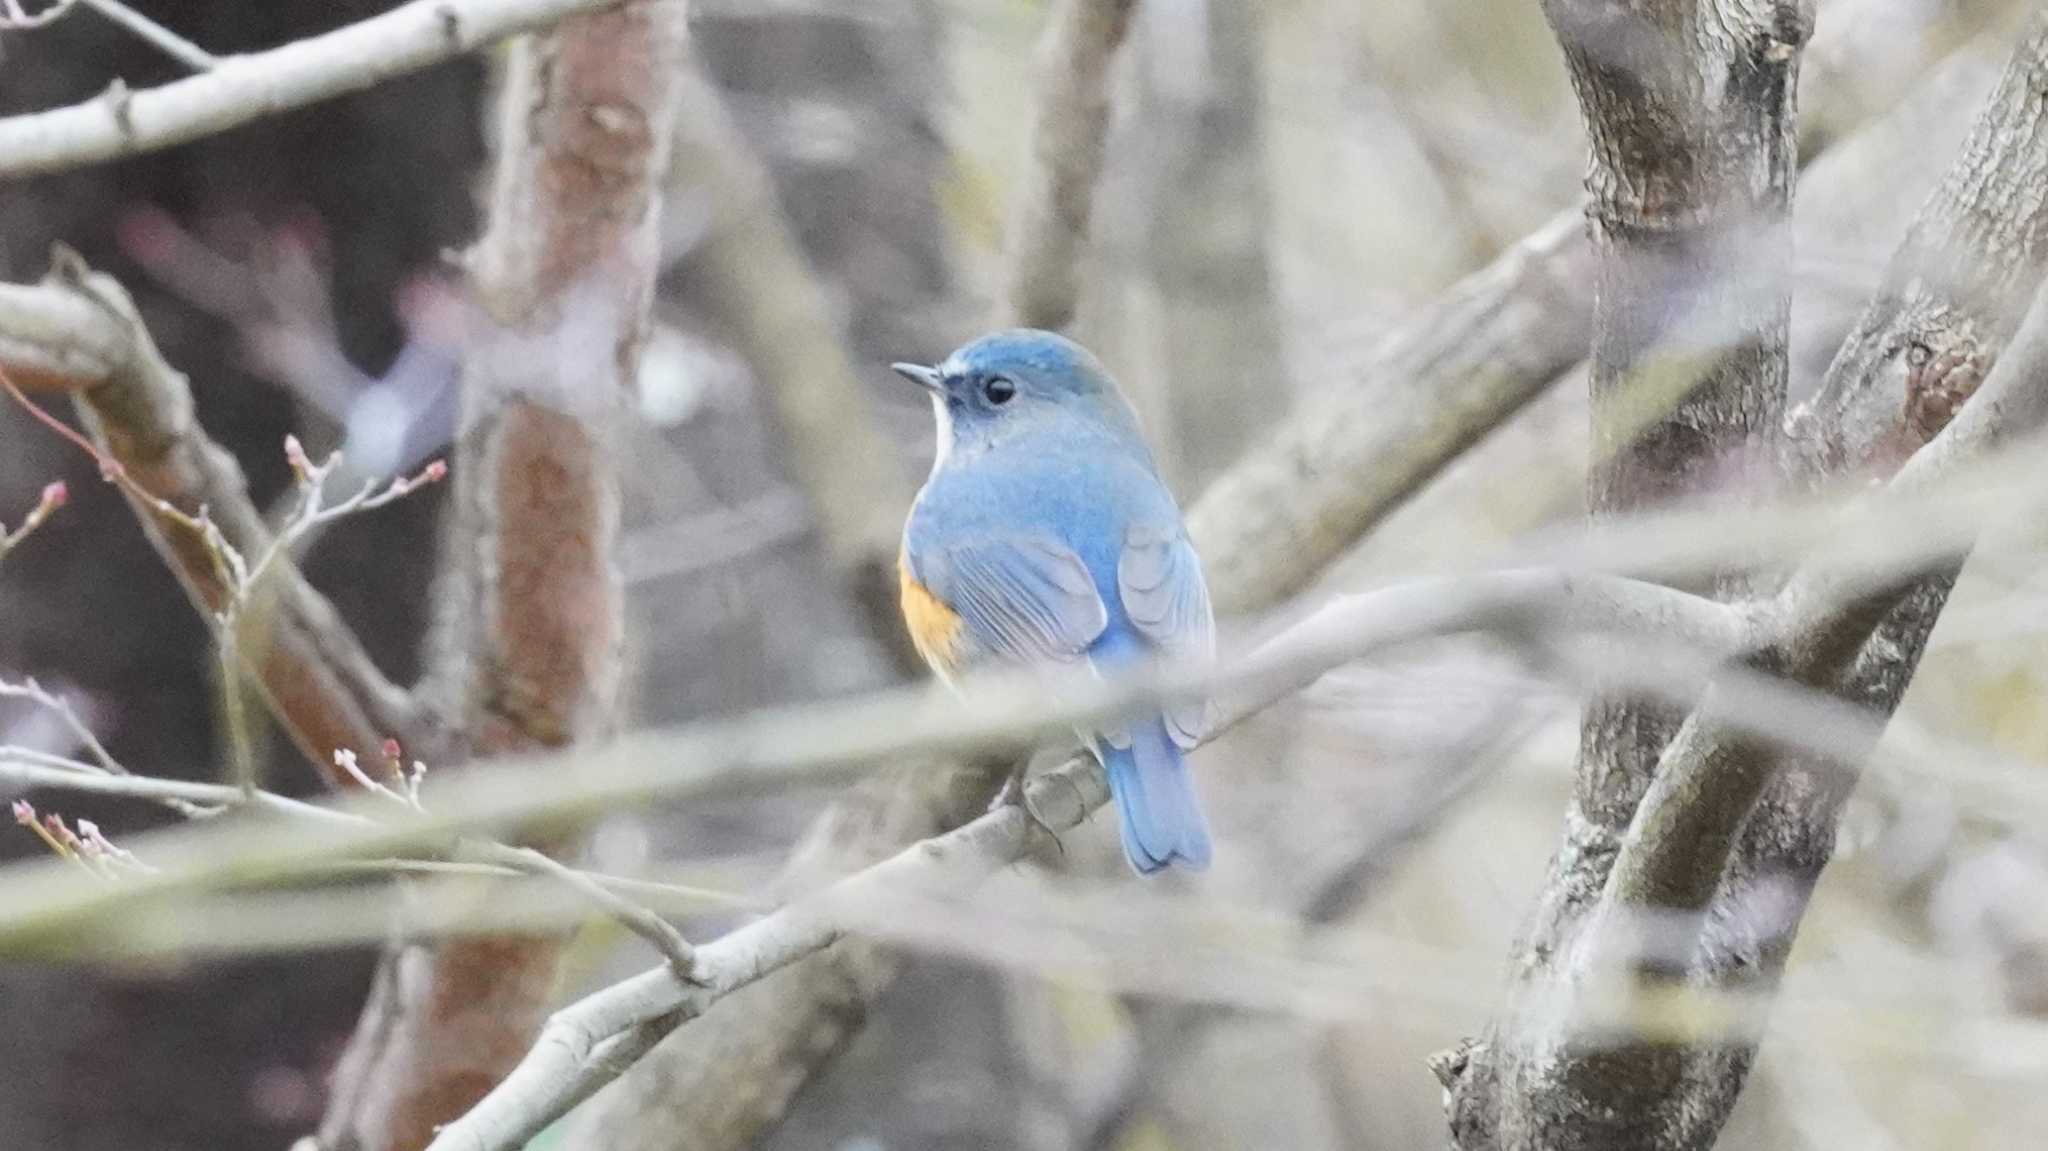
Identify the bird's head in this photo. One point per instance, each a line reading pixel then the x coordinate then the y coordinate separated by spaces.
pixel 1020 381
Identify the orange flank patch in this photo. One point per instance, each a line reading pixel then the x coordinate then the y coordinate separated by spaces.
pixel 934 628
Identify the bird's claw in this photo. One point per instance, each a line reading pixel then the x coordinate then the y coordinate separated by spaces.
pixel 1013 795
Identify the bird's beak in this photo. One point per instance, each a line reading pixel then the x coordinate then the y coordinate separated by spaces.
pixel 926 378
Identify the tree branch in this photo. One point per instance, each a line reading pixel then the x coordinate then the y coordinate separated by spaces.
pixel 1462 366
pixel 1050 222
pixel 769 297
pixel 243 88
pixel 79 331
pixel 24 768
pixel 559 1071
pixel 1683 834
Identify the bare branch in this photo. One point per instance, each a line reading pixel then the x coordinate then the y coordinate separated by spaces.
pixel 161 38
pixel 559 1070
pixel 1050 222
pixel 1461 367
pixel 614 894
pixel 33 769
pixel 56 340
pixel 314 673
pixel 1683 833
pixel 642 922
pixel 243 88
pixel 770 298
pixel 53 497
pixel 1953 293
pixel 15 18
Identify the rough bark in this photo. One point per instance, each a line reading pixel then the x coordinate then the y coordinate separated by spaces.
pixel 1689 110
pixel 1724 824
pixel 529 643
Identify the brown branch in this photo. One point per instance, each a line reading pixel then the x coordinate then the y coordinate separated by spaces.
pixel 83 328
pixel 530 627
pixel 1725 821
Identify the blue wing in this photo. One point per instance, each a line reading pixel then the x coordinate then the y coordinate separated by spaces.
pixel 1024 598
pixel 1159 580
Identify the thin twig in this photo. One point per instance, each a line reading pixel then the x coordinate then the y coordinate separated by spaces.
pixel 57 705
pixel 653 891
pixel 314 673
pixel 15 18
pixel 25 767
pixel 659 932
pixel 53 497
pixel 163 39
pixel 29 768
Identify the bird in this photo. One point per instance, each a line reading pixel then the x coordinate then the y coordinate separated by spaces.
pixel 1045 536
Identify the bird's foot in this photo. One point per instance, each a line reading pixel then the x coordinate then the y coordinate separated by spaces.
pixel 1013 794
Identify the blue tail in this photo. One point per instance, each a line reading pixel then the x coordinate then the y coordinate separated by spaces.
pixel 1158 813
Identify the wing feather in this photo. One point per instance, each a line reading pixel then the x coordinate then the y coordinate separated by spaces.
pixel 1159 579
pixel 1023 598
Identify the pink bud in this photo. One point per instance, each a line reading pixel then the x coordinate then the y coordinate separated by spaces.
pixel 295 454
pixel 435 472
pixel 24 813
pixel 56 495
pixel 391 749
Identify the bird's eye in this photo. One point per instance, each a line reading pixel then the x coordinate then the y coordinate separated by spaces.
pixel 999 391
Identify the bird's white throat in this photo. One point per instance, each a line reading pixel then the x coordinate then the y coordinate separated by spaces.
pixel 943 420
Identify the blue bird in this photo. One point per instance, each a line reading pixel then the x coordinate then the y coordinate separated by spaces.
pixel 1045 536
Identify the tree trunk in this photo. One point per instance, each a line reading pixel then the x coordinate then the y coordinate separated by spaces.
pixel 529 651
pixel 1689 108
pixel 1752 823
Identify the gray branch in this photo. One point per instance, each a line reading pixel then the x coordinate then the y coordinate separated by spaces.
pixel 1050 224
pixel 239 89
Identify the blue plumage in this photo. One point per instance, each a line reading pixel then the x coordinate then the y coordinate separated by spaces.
pixel 1047 535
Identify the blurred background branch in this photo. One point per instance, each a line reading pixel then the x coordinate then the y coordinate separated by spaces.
pixel 1293 256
